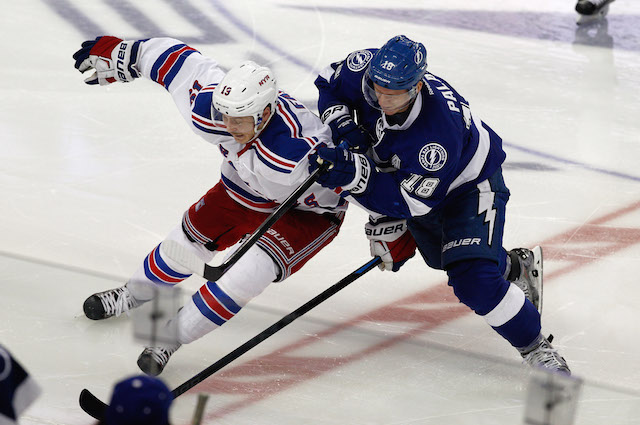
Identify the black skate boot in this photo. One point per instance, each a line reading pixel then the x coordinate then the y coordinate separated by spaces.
pixel 592 10
pixel 526 273
pixel 153 359
pixel 109 303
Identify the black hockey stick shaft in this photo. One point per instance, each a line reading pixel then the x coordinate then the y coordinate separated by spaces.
pixel 96 408
pixel 280 324
pixel 213 273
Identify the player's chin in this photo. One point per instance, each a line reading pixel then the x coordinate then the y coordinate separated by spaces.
pixel 390 110
pixel 241 138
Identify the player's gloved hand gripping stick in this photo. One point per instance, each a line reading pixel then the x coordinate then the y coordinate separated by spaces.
pixel 96 408
pixel 213 273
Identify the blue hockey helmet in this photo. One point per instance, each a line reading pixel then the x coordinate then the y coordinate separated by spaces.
pixel 399 64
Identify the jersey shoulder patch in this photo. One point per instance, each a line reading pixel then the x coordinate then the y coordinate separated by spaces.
pixel 358 60
pixel 432 156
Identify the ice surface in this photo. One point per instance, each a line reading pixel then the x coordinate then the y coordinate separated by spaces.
pixel 93 177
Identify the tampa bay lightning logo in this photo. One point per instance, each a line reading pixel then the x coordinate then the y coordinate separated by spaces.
pixel 358 60
pixel 418 57
pixel 379 129
pixel 432 157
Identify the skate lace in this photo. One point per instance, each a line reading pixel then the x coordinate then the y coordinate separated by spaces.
pixel 545 356
pixel 161 355
pixel 117 301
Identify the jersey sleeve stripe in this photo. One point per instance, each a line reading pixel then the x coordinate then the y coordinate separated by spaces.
pixel 416 208
pixel 210 87
pixel 290 120
pixel 272 160
pixel 169 63
pixel 273 166
pixel 293 122
pixel 475 165
pixel 312 141
pixel 210 130
pixel 245 198
pixel 208 126
pixel 206 122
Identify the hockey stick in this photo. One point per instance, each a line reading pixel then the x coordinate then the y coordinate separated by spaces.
pixel 96 408
pixel 197 415
pixel 213 273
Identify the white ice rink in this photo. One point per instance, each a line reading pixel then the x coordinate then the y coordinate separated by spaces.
pixel 92 178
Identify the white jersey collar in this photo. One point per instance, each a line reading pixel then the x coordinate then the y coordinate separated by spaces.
pixel 413 114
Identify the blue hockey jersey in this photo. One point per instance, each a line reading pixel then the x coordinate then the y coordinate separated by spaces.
pixel 439 150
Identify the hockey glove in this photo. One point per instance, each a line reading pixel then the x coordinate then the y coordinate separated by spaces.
pixel 346 133
pixel 390 240
pixel 350 171
pixel 112 58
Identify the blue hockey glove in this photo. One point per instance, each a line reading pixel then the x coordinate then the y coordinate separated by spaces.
pixel 350 171
pixel 350 135
pixel 112 58
pixel 346 133
pixel 390 240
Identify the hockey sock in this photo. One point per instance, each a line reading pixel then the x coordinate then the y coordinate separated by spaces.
pixel 158 268
pixel 215 303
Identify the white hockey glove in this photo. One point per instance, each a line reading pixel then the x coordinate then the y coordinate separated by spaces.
pixel 112 58
pixel 390 240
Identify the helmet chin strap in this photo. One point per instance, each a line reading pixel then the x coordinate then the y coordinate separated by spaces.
pixel 260 126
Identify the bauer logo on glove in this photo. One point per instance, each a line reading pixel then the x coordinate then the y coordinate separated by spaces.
pixel 390 240
pixel 112 58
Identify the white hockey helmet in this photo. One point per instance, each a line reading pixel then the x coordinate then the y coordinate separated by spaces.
pixel 246 90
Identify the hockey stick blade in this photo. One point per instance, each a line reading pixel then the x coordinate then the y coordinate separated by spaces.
pixel 186 258
pixel 92 405
pixel 97 409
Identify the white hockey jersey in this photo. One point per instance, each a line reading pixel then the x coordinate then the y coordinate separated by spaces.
pixel 263 173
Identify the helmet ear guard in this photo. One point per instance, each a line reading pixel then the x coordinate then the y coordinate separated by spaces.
pixel 245 91
pixel 398 65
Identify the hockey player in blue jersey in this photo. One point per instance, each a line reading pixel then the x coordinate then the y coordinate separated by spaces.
pixel 429 173
pixel 265 137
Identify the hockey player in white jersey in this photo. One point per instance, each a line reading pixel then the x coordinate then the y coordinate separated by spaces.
pixel 420 158
pixel 265 137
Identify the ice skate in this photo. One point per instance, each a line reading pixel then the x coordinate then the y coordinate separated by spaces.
pixel 113 302
pixel 153 359
pixel 592 10
pixel 542 354
pixel 526 265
